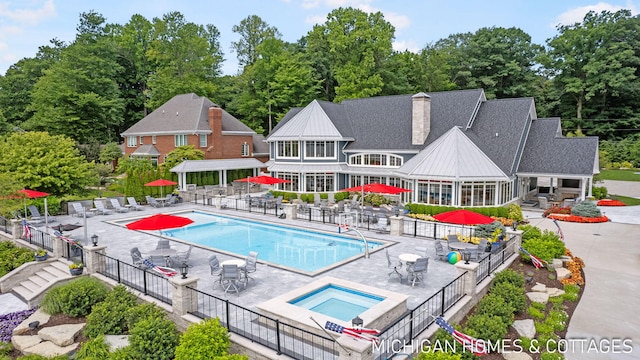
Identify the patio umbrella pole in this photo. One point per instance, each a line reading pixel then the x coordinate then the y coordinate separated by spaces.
pixel 46 216
pixel 86 239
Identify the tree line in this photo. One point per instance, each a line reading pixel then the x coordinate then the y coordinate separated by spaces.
pixel 111 75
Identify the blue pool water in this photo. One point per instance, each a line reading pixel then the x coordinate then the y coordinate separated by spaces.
pixel 337 302
pixel 298 249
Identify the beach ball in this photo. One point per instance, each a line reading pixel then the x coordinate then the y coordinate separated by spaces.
pixel 453 257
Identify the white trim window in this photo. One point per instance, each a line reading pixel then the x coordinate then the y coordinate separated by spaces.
pixel 153 139
pixel 386 160
pixel 245 149
pixel 320 149
pixel 141 142
pixel 132 141
pixel 288 149
pixel 203 140
pixel 180 140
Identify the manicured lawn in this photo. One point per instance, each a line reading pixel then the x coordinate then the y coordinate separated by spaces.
pixel 623 175
pixel 629 201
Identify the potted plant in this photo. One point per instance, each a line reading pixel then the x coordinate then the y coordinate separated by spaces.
pixel 41 255
pixel 76 268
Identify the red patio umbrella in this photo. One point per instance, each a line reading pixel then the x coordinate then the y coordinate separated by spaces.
pixel 463 217
pixel 262 180
pixel 159 222
pixel 34 194
pixel 161 183
pixel 377 188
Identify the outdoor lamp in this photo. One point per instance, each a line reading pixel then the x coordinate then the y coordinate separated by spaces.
pixel 466 256
pixel 184 269
pixel 357 322
pixel 220 191
pixel 94 239
pixel 515 226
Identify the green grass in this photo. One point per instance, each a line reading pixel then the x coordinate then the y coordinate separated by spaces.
pixel 629 201
pixel 623 175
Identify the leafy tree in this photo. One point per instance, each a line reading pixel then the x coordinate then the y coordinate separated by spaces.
pixel 110 153
pixel 9 187
pixel 37 160
pixel 78 95
pixel 180 154
pixel 187 56
pixel 252 30
pixel 356 45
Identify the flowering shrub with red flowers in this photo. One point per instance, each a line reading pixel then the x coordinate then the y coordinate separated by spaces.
pixel 576 218
pixel 557 210
pixel 610 202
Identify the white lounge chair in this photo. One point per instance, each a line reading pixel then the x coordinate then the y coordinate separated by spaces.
pixel 117 207
pixel 80 210
pixel 101 209
pixel 134 204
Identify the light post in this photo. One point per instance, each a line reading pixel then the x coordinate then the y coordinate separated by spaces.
pixel 94 239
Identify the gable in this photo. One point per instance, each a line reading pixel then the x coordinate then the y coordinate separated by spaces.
pixel 310 123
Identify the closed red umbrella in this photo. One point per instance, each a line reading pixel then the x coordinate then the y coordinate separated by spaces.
pixel 463 217
pixel 159 222
pixel 161 183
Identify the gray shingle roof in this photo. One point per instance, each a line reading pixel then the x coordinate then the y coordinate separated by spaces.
pixel 147 150
pixel 183 114
pixel 547 153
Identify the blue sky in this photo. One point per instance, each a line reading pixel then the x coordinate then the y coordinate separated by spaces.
pixel 27 24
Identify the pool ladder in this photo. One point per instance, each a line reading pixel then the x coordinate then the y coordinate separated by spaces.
pixel 366 244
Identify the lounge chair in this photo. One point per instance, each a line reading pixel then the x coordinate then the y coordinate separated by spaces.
pixel 80 210
pixel 183 256
pixel 101 209
pixel 117 207
pixel 134 204
pixel 396 266
pixel 230 278
pixel 417 270
pixel 35 214
pixel 153 202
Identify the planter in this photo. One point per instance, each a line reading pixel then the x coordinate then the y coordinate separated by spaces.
pixel 42 258
pixel 76 272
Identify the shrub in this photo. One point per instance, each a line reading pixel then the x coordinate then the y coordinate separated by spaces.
pixel 514 212
pixel 493 304
pixel 486 327
pixel 535 313
pixel 546 247
pixel 12 256
pixel 599 192
pixel 40 357
pixel 109 316
pixel 203 341
pixel 75 298
pixel 142 312
pixel 512 294
pixel 94 349
pixel 557 319
pixel 123 353
pixel 551 356
pixel 509 276
pixel 586 209
pixel 154 339
pixel 488 230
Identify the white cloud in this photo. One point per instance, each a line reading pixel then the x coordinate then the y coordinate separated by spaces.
pixel 316 19
pixel 10 30
pixel 406 45
pixel 310 4
pixel 28 16
pixel 576 15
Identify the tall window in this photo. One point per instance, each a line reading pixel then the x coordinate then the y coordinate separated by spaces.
pixel 153 139
pixel 203 140
pixel 319 182
pixel 293 185
pixel 180 140
pixel 131 141
pixel 141 137
pixel 320 149
pixel 288 149
pixel 245 149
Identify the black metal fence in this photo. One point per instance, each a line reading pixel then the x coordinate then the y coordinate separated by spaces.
pixel 491 262
pixel 5 225
pixel 430 229
pixel 409 326
pixel 40 239
pixel 280 337
pixel 143 280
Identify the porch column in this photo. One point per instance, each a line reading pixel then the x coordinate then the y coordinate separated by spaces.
pixel 583 184
pixel 590 182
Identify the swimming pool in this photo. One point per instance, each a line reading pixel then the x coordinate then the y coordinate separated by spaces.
pixel 296 249
pixel 337 301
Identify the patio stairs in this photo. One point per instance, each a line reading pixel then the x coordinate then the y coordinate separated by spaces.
pixel 32 289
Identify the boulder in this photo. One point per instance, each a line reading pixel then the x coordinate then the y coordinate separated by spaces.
pixel 21 342
pixel 61 335
pixel 562 273
pixel 39 316
pixel 49 349
pixel 539 287
pixel 540 297
pixel 554 292
pixel 116 341
pixel 556 263
pixel 525 328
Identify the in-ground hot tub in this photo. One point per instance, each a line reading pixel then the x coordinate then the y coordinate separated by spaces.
pixel 338 301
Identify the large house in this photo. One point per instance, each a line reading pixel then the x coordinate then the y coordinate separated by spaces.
pixel 450 148
pixel 189 119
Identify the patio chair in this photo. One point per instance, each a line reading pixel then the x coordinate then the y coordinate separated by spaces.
pixel 117 207
pixel 101 209
pixel 396 266
pixel 134 204
pixel 214 265
pixel 421 250
pixel 230 278
pixel 80 210
pixel 340 207
pixel 440 253
pixel 163 244
pixel 136 257
pixel 250 266
pixel 482 248
pixel 183 256
pixel 382 225
pixel 416 271
pixel 451 239
pixel 303 208
pixel 171 200
pixel 153 202
pixel 316 200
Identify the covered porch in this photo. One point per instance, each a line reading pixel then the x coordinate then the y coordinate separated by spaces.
pixel 222 166
pixel 556 189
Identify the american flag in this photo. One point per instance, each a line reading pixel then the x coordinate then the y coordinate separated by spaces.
pixel 362 334
pixel 26 230
pixel 160 269
pixel 470 343
pixel 64 238
pixel 538 263
pixel 559 230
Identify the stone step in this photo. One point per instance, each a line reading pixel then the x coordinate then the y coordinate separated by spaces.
pixel 31 286
pixel 58 273
pixel 42 280
pixel 61 266
pixel 23 293
pixel 38 280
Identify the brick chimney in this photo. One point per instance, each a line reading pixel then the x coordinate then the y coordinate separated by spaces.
pixel 215 140
pixel 420 118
